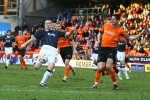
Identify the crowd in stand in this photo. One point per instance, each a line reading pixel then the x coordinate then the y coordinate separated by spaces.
pixel 133 19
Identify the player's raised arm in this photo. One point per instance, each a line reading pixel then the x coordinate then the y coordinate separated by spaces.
pixel 70 32
pixel 74 47
pixel 27 42
pixel 132 37
pixel 99 36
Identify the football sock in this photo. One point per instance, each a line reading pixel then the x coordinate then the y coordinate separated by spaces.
pixel 97 76
pixel 70 67
pixel 112 75
pixel 128 66
pixel 47 74
pixel 24 63
pixel 7 61
pixel 94 66
pixel 21 64
pixel 66 72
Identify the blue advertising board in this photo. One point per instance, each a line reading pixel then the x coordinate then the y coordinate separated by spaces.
pixel 138 67
pixel 4 27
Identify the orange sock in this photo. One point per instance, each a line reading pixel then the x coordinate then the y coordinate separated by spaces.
pixel 24 63
pixel 70 67
pixel 21 64
pixel 97 76
pixel 112 75
pixel 128 66
pixel 66 72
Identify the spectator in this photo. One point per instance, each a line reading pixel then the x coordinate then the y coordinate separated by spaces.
pixel 60 16
pixel 32 31
pixel 24 26
pixel 141 50
pixel 40 25
pixel 69 15
pixel 17 28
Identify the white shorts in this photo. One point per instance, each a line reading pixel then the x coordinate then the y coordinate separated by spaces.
pixel 8 50
pixel 94 56
pixel 50 52
pixel 120 56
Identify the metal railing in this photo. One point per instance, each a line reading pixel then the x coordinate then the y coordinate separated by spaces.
pixel 11 8
pixel 84 11
pixel 1 9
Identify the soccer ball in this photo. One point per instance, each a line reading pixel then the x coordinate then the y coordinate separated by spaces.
pixel 34 60
pixel 42 58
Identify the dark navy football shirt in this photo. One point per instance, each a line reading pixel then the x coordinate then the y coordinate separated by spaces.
pixel 9 40
pixel 96 50
pixel 49 37
pixel 121 46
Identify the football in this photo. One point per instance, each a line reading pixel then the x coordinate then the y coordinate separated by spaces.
pixel 42 58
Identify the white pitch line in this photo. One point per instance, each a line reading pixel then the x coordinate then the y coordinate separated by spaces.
pixel 10 88
pixel 56 91
pixel 18 90
pixel 35 86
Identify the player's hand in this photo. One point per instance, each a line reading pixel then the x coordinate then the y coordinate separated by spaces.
pixel 99 41
pixel 23 46
pixel 75 51
pixel 145 30
pixel 4 43
pixel 72 28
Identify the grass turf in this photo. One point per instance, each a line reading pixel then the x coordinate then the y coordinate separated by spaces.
pixel 17 84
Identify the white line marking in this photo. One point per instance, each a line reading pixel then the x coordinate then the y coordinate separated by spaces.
pixel 56 91
pixel 37 89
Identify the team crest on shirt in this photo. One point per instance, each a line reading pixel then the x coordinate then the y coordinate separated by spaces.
pixel 116 31
pixel 68 55
pixel 51 34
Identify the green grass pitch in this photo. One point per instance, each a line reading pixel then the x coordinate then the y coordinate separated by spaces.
pixel 17 84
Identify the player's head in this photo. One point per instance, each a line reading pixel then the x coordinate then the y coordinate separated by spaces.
pixel 48 24
pixel 115 19
pixel 9 32
pixel 108 19
pixel 58 26
pixel 20 32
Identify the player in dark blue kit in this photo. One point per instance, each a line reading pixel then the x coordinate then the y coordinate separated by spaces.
pixel 48 51
pixel 95 52
pixel 8 41
pixel 121 48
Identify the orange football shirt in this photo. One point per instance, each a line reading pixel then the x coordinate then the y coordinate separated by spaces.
pixel 63 42
pixel 111 35
pixel 21 40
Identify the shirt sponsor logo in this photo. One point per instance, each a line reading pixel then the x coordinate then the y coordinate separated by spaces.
pixel 109 32
pixel 51 34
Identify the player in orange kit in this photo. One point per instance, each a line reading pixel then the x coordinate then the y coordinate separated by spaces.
pixel 66 52
pixel 108 39
pixel 21 39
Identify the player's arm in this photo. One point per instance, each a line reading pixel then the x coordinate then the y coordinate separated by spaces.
pixel 96 44
pixel 14 42
pixel 29 41
pixel 4 41
pixel 35 36
pixel 99 36
pixel 70 32
pixel 74 47
pixel 132 37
